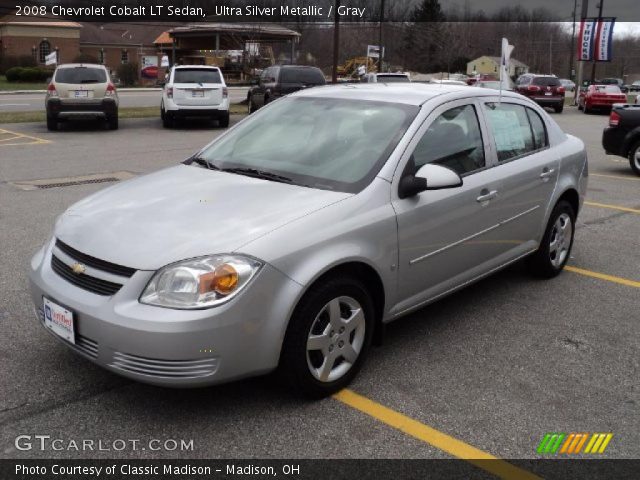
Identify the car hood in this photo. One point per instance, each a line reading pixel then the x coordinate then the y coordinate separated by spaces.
pixel 183 212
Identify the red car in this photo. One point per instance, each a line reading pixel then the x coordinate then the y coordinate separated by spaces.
pixel 483 77
pixel 545 90
pixel 150 72
pixel 600 96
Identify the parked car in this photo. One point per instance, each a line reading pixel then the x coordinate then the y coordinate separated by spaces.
pixel 78 91
pixel 568 85
pixel 446 81
pixel 618 82
pixel 635 86
pixel 599 97
pixel 385 77
pixel 622 136
pixel 280 80
pixel 481 78
pixel 545 90
pixel 195 91
pixel 150 71
pixel 290 241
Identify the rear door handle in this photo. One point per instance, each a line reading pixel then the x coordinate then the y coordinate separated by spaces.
pixel 547 172
pixel 486 195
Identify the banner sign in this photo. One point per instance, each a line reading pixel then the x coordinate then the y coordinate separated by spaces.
pixel 586 39
pixel 373 51
pixel 604 40
pixel 51 59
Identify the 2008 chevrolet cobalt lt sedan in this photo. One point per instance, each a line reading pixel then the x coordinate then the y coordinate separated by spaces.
pixel 289 241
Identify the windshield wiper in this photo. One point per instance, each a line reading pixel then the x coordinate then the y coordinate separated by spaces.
pixel 254 172
pixel 204 162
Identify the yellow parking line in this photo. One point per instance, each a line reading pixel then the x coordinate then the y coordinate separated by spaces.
pixel 619 177
pixel 612 207
pixel 603 276
pixel 440 440
pixel 36 140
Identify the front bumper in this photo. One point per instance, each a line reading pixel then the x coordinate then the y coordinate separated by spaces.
pixel 167 347
pixel 72 108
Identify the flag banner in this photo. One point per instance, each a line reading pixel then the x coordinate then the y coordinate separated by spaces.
pixel 604 40
pixel 51 59
pixel 373 51
pixel 586 38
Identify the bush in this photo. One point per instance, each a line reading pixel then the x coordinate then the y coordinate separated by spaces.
pixel 7 62
pixel 27 74
pixel 128 74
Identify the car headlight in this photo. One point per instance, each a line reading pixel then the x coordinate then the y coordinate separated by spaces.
pixel 200 282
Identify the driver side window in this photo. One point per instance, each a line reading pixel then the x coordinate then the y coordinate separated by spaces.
pixel 454 141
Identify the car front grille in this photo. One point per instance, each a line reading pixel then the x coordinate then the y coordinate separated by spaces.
pixel 95 262
pixel 164 368
pixel 86 282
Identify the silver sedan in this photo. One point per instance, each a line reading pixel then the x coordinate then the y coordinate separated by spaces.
pixel 288 242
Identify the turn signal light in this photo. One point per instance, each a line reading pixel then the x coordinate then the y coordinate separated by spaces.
pixel 51 90
pixel 223 280
pixel 111 90
pixel 533 88
pixel 560 90
pixel 225 92
pixel 614 119
pixel 170 92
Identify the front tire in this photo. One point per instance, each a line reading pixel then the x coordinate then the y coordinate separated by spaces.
pixel 634 158
pixel 328 338
pixel 555 248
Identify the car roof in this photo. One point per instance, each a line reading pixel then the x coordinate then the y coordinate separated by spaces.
pixel 405 93
pixel 209 67
pixel 81 65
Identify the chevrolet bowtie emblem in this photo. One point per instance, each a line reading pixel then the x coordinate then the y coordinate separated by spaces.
pixel 78 268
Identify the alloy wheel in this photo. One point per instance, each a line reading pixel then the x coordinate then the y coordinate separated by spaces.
pixel 560 240
pixel 336 339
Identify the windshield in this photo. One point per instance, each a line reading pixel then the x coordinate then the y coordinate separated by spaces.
pixel 392 78
pixel 196 75
pixel 607 89
pixel 331 144
pixel 78 75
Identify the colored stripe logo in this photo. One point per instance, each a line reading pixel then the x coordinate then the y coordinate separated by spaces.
pixel 573 443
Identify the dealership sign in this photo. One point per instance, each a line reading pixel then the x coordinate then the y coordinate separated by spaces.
pixel 604 39
pixel 595 39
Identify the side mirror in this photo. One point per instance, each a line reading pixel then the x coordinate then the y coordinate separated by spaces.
pixel 429 177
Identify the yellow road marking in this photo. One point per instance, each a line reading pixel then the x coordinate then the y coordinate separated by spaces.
pixel 603 276
pixel 440 440
pixel 17 136
pixel 612 207
pixel 619 177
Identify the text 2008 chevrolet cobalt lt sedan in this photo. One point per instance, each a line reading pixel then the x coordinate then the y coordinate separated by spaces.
pixel 288 241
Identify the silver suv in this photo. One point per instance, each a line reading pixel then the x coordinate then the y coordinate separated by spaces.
pixel 288 242
pixel 80 91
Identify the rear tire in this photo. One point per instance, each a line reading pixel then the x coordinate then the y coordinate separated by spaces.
pixel 555 247
pixel 252 108
pixel 52 123
pixel 559 108
pixel 585 109
pixel 634 158
pixel 167 119
pixel 112 121
pixel 223 122
pixel 328 338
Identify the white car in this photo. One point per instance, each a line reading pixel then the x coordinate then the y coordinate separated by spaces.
pixel 195 91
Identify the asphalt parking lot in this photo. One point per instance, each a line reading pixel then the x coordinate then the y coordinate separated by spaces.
pixel 493 367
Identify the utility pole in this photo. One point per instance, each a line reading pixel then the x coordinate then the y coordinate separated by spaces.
pixel 573 41
pixel 380 36
pixel 336 43
pixel 550 54
pixel 593 68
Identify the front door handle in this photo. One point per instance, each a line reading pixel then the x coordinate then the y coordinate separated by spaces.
pixel 486 195
pixel 547 172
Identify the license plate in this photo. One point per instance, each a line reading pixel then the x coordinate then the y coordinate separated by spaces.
pixel 59 320
pixel 82 93
pixel 548 93
pixel 197 93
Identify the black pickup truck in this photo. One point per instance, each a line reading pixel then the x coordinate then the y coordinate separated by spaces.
pixel 622 136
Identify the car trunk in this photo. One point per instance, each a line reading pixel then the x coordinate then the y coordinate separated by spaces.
pixel 201 94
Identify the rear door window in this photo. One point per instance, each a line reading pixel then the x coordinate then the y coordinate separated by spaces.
pixel 511 130
pixel 197 75
pixel 538 129
pixel 80 75
pixel 308 76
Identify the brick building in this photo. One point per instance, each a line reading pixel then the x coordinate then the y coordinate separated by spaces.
pixel 38 39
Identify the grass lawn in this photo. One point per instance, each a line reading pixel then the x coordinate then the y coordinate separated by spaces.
pixel 4 85
pixel 134 112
